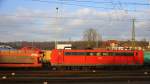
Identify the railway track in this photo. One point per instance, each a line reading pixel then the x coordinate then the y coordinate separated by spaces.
pixel 48 77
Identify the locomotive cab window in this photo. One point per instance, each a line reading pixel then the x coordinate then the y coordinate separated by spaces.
pixel 74 53
pixel 124 54
pixel 111 54
pixel 131 54
pixel 91 53
pixel 67 53
pixel 98 54
pixel 105 54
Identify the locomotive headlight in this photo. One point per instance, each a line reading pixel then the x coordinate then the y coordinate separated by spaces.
pixel 34 54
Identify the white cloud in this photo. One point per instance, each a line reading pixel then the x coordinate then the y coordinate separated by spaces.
pixel 38 25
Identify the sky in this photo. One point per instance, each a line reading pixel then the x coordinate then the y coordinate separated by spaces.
pixel 39 20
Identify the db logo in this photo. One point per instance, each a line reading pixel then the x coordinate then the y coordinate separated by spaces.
pixel 99 57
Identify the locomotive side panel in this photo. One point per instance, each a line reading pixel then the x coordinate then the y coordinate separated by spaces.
pixel 96 57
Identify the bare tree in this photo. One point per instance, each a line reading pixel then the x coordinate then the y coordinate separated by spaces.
pixel 92 37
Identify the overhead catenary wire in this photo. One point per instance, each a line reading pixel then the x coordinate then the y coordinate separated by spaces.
pixel 73 4
pixel 111 19
pixel 106 2
pixel 98 2
pixel 113 2
pixel 117 6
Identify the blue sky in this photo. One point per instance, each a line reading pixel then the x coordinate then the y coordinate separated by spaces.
pixel 10 5
pixel 35 20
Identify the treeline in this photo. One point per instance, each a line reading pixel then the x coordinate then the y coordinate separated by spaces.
pixel 75 44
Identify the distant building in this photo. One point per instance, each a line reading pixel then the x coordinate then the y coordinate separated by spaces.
pixel 113 44
pixel 64 46
pixel 6 47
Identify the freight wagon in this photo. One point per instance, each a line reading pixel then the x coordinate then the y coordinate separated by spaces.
pixel 20 58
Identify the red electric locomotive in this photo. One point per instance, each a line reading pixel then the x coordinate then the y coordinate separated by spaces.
pixel 96 57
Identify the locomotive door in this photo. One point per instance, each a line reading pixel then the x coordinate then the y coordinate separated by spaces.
pixel 60 57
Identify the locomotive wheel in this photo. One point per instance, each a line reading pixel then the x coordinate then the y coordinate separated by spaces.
pixel 54 68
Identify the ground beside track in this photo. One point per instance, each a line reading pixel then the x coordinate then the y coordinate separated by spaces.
pixel 75 77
